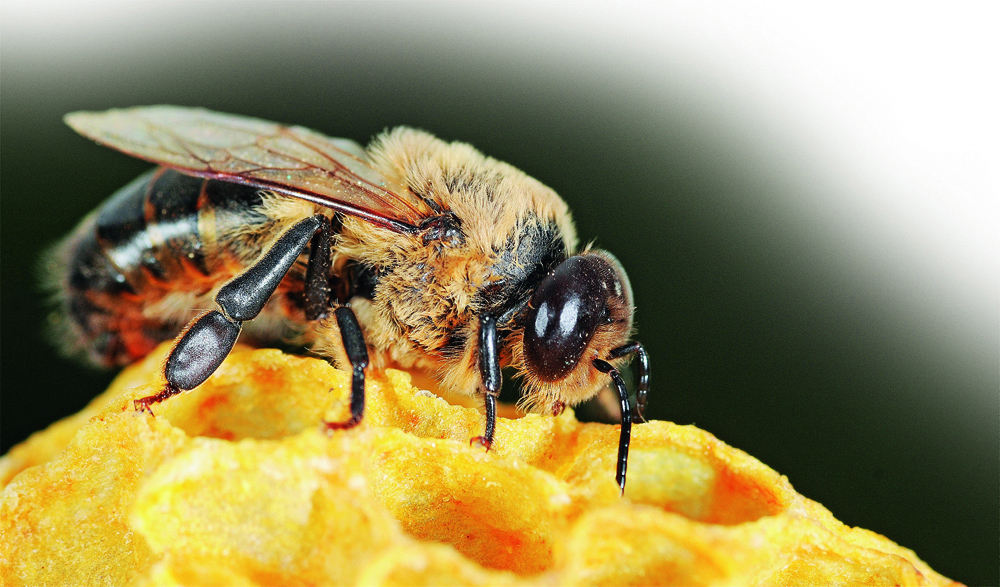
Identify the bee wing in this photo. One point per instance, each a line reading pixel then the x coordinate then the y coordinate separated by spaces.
pixel 290 160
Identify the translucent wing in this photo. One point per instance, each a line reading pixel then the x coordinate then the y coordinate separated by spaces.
pixel 290 160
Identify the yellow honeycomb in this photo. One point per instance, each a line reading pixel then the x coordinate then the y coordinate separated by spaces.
pixel 236 483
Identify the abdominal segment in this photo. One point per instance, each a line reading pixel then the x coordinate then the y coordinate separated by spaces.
pixel 134 273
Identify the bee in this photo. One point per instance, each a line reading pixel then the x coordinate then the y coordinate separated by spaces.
pixel 413 252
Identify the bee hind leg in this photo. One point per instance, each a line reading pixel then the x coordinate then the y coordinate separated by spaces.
pixel 143 404
pixel 207 340
pixel 197 354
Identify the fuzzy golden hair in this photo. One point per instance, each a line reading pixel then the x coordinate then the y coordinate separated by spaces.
pixel 430 296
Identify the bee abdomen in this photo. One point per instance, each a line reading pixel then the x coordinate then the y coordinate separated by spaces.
pixel 143 245
pixel 151 222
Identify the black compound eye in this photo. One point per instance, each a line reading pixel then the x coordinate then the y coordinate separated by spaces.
pixel 563 314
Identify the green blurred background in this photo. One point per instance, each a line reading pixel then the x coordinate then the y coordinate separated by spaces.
pixel 787 324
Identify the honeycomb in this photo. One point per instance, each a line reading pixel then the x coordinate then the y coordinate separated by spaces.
pixel 237 483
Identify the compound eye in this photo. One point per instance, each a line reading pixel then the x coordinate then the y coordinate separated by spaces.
pixel 564 313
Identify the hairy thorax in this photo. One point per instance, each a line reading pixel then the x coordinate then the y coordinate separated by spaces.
pixel 494 235
pixel 428 301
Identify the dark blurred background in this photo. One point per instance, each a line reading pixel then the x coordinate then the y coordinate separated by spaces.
pixel 815 276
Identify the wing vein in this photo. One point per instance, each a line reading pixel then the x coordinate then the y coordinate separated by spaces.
pixel 294 161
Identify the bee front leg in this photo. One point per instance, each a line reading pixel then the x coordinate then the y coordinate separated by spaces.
pixel 489 372
pixel 626 433
pixel 207 340
pixel 642 388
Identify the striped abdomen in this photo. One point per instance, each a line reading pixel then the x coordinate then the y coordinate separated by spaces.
pixel 133 273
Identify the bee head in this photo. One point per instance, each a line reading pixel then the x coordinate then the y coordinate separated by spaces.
pixel 579 312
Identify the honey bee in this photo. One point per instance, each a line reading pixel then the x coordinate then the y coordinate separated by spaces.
pixel 413 252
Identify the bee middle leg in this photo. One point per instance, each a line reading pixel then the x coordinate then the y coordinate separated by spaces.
pixel 489 372
pixel 357 354
pixel 207 340
pixel 319 299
